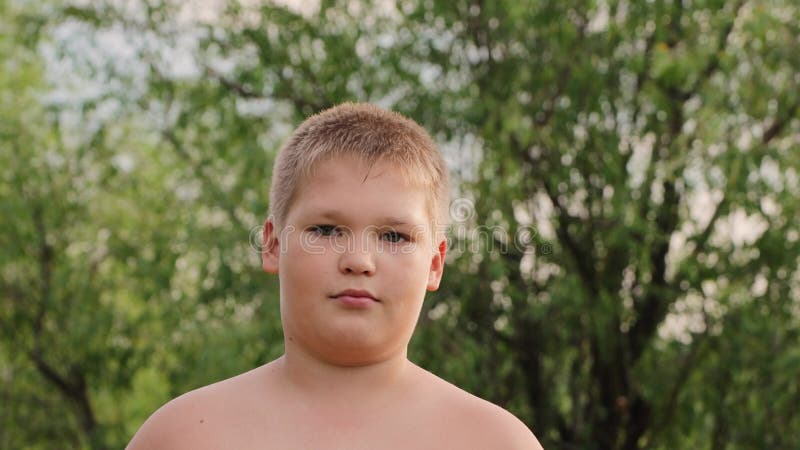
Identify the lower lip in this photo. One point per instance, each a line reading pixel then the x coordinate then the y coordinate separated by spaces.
pixel 355 302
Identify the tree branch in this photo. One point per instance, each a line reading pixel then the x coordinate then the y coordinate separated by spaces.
pixel 46 256
pixel 685 369
pixel 239 89
pixel 778 124
pixel 654 306
pixel 713 62
pixel 583 259
pixel 73 388
pixel 223 202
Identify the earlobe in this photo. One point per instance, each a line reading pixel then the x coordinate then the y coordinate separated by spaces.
pixel 270 248
pixel 437 266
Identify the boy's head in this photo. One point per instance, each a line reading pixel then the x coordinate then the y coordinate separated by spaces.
pixel 370 134
pixel 356 194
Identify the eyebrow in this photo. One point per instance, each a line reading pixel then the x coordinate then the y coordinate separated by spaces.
pixel 387 220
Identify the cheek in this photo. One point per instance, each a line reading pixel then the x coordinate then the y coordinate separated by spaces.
pixel 408 273
pixel 299 270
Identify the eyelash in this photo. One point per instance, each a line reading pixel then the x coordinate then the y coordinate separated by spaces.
pixel 329 230
pixel 397 237
pixel 323 230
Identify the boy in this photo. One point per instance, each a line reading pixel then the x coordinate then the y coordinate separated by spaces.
pixel 357 204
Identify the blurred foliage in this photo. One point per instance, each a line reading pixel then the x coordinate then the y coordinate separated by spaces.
pixel 625 275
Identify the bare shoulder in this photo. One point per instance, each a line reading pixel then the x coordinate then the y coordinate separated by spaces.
pixel 196 420
pixel 174 425
pixel 479 423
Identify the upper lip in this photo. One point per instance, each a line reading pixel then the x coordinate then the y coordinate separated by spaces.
pixel 356 293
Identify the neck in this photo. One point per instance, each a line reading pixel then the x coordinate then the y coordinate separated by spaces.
pixel 325 379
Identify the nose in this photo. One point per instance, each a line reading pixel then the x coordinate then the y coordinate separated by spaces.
pixel 357 261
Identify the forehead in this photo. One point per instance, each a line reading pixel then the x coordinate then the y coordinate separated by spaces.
pixel 349 189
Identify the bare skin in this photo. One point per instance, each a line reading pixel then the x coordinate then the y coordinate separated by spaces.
pixel 390 405
pixel 344 382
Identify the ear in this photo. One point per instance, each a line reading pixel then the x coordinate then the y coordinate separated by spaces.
pixel 437 265
pixel 270 248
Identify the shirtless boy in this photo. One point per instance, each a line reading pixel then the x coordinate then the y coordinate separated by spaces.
pixel 357 203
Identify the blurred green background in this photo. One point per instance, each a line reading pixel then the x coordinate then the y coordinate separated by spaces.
pixel 634 162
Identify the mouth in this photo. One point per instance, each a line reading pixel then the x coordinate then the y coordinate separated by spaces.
pixel 356 296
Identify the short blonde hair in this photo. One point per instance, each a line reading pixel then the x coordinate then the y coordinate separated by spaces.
pixel 367 132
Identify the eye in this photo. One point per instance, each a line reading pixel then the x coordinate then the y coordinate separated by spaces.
pixel 394 237
pixel 324 230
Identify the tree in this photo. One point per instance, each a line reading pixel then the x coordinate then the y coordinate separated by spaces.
pixel 623 271
pixel 610 125
pixel 98 262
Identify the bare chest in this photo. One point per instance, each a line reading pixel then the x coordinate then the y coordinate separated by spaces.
pixel 397 429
